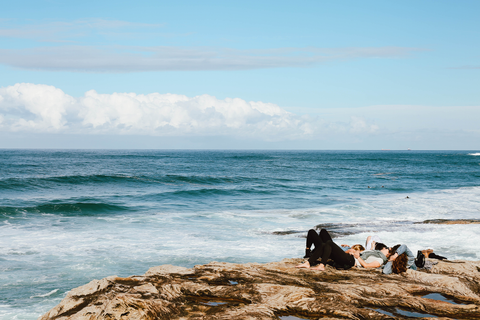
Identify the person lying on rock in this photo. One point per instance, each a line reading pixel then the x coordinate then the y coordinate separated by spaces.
pixel 372 259
pixel 326 249
pixel 400 258
pixel 313 238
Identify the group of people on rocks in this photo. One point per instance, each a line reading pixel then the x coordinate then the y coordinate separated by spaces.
pixel 396 259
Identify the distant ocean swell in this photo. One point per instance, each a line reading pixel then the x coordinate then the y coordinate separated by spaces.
pixel 65 209
pixel 55 181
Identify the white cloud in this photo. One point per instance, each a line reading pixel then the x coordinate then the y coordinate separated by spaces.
pixel 135 59
pixel 102 56
pixel 31 108
pixel 360 125
pixel 68 31
pixel 402 118
pixel 178 115
pixel 34 107
pixel 42 108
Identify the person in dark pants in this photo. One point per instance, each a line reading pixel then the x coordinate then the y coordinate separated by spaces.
pixel 318 239
pixel 326 249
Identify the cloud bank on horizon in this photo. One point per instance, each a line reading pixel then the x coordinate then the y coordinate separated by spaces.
pixel 45 109
pixel 38 108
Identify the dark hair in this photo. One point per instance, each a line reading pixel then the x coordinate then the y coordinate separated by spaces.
pixel 399 265
pixel 379 246
pixel 392 251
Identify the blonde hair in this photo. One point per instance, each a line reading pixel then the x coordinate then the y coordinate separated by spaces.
pixel 358 247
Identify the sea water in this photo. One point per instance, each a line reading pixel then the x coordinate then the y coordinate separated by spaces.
pixel 70 216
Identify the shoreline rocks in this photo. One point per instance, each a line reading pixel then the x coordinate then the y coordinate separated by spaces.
pixel 277 290
pixel 344 229
pixel 452 221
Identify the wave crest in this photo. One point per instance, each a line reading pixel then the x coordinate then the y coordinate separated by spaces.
pixel 77 208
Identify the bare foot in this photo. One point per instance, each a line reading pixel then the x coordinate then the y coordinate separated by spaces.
pixel 306 264
pixel 320 267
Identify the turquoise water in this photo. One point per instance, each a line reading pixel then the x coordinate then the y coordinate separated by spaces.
pixel 69 216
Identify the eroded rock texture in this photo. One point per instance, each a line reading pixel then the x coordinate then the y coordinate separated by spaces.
pixel 277 291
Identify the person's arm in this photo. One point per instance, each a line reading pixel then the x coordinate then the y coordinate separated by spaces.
pixel 409 253
pixel 411 259
pixel 402 249
pixel 374 264
pixel 387 268
pixel 370 243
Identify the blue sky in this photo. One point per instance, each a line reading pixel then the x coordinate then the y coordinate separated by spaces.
pixel 250 74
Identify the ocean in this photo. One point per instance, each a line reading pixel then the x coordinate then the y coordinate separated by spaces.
pixel 70 216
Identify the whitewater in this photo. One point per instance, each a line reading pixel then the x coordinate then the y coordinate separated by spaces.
pixel 70 216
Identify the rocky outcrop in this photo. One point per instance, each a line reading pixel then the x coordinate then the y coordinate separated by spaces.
pixel 277 290
pixel 452 221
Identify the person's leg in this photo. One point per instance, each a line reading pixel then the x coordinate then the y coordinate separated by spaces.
pixel 313 238
pixel 324 252
pixel 317 253
pixel 334 252
pixel 318 240
pixel 325 236
pixel 312 259
pixel 340 257
pixel 368 243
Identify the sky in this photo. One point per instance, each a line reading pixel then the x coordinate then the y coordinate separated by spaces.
pixel 349 75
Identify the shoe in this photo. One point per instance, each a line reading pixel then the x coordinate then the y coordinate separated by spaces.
pixel 436 256
pixel 307 253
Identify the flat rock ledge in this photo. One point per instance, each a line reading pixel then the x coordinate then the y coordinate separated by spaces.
pixel 277 290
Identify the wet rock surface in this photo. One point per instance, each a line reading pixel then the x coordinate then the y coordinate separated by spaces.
pixel 337 230
pixel 277 290
pixel 452 221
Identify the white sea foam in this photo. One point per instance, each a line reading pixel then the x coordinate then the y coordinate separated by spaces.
pixel 44 295
pixel 86 247
pixel 474 154
pixel 9 312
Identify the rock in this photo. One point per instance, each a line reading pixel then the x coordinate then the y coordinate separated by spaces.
pixel 220 290
pixel 452 221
